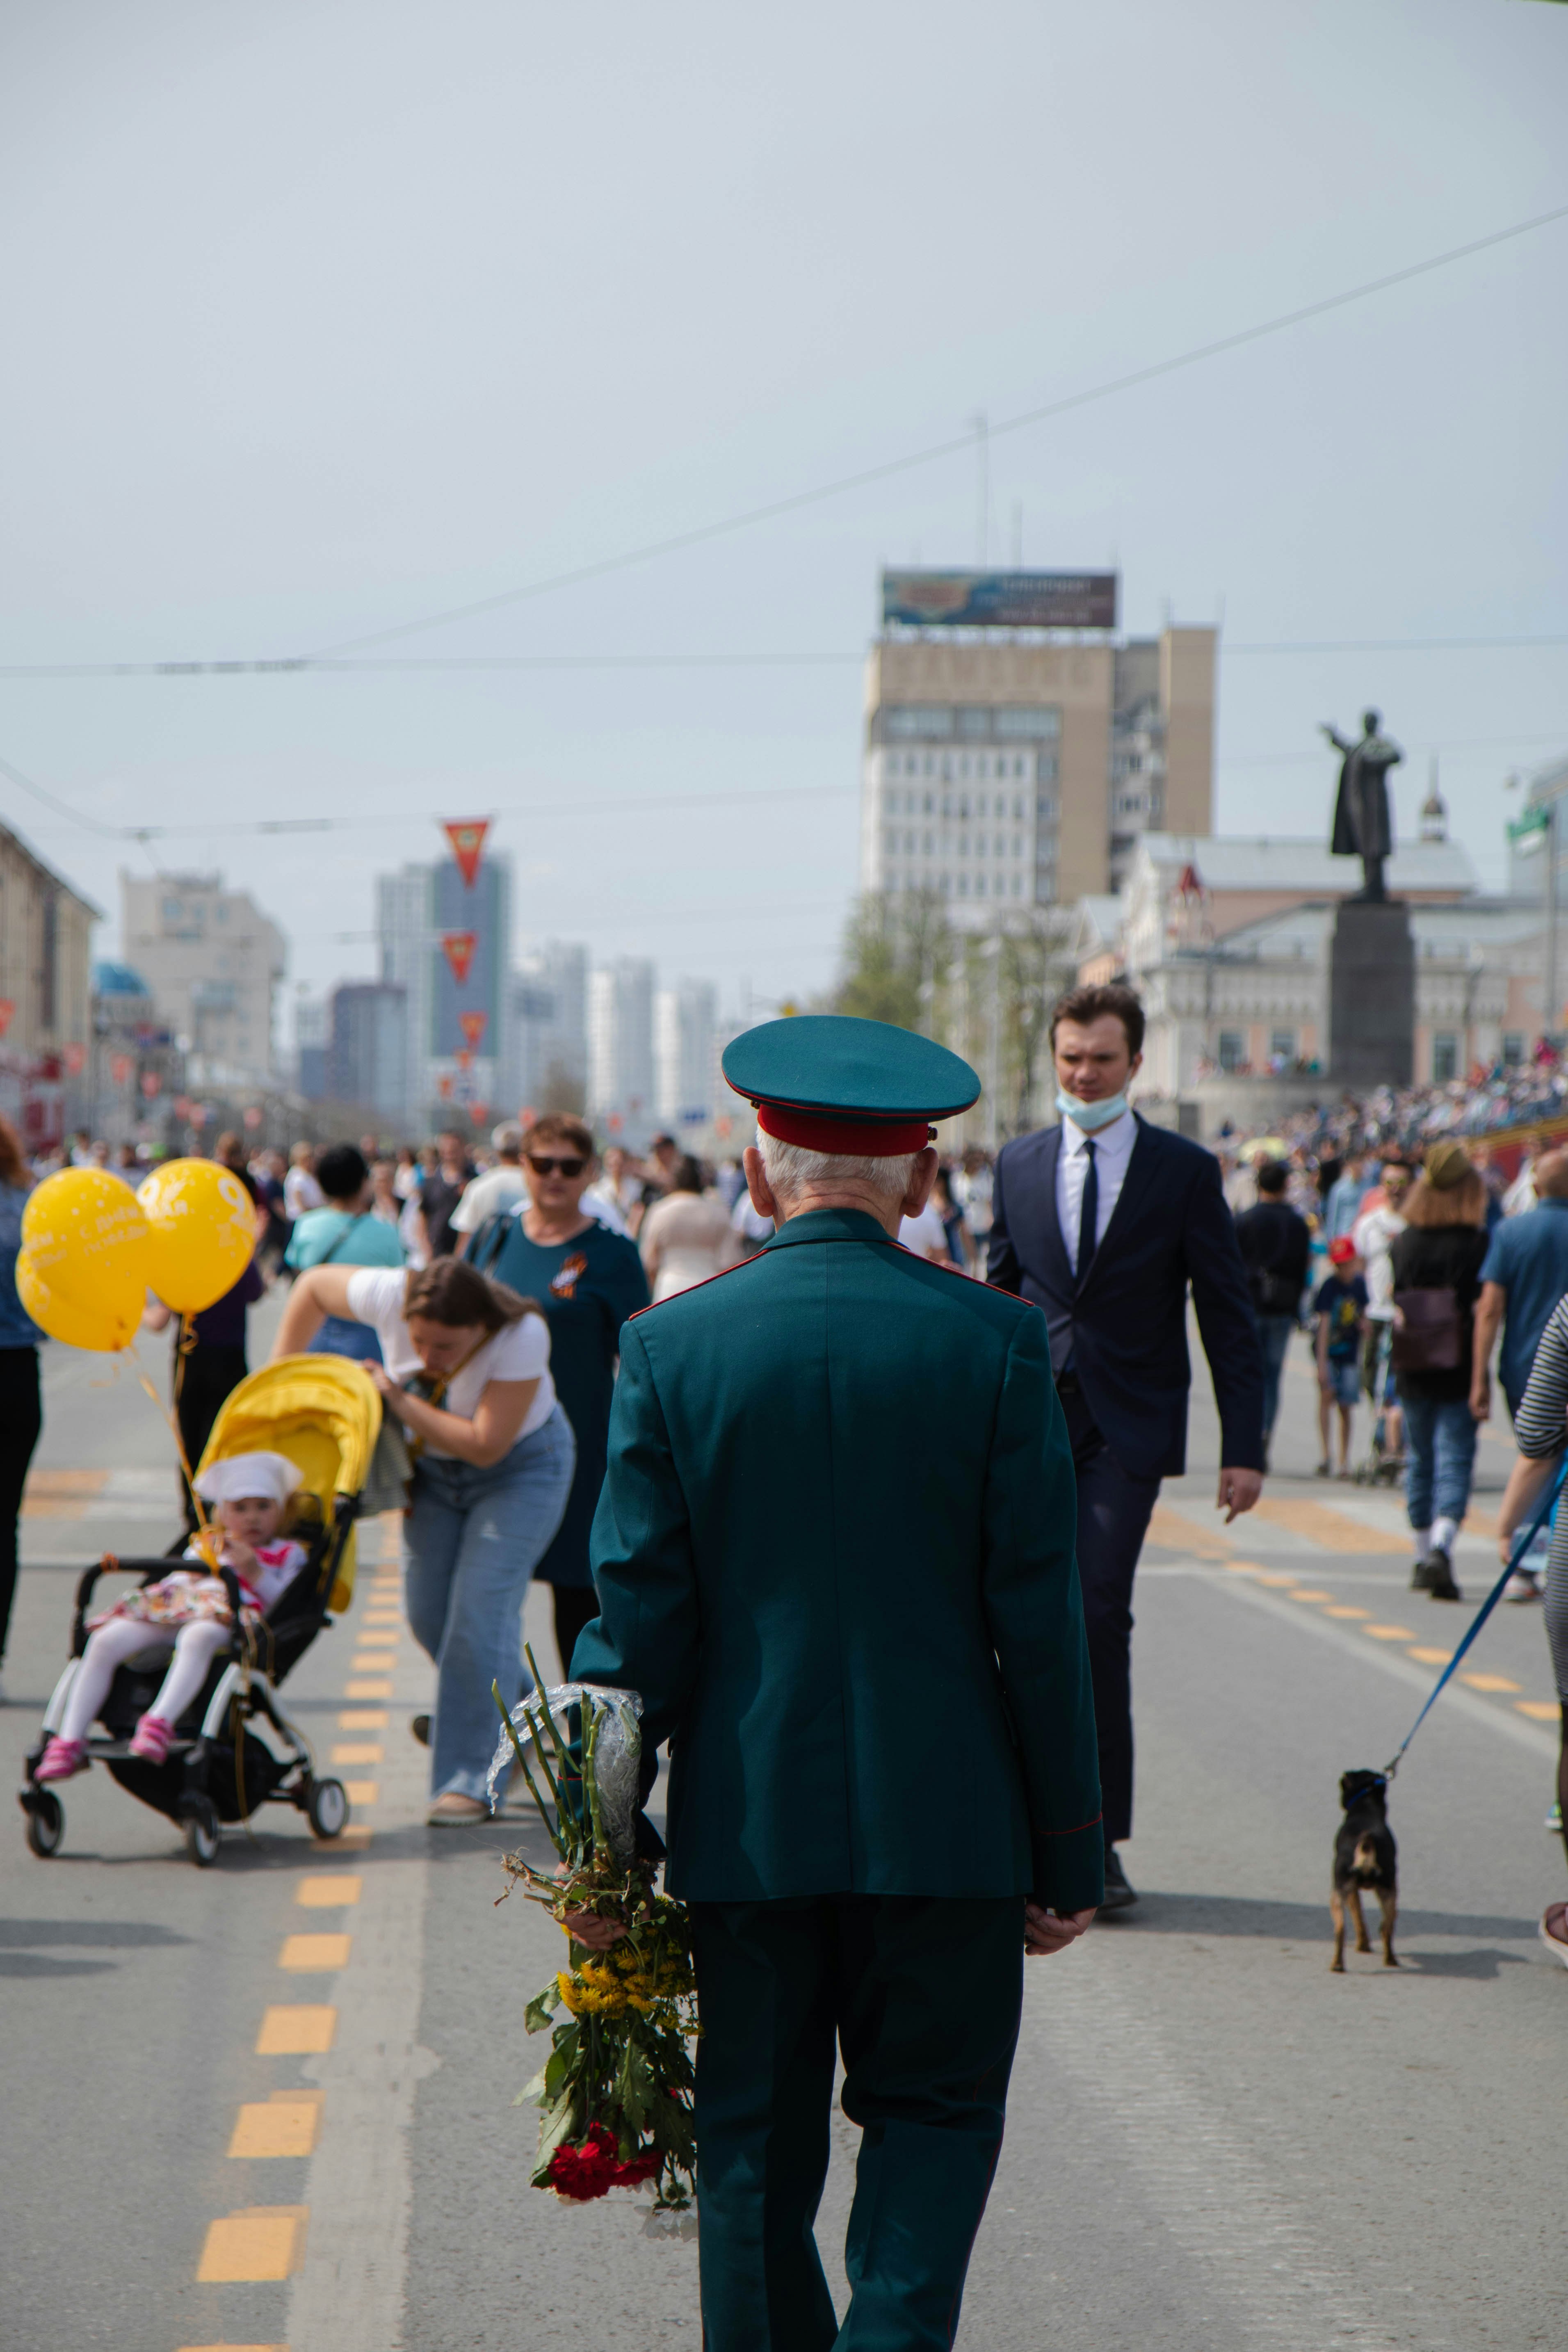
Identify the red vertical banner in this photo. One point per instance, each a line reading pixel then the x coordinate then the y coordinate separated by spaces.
pixel 473 1026
pixel 151 1083
pixel 8 1008
pixel 75 1059
pixel 467 839
pixel 457 946
pixel 120 1068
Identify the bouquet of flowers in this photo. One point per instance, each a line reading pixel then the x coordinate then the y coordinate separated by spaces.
pixel 615 2091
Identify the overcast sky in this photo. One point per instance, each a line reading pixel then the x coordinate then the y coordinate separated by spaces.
pixel 321 319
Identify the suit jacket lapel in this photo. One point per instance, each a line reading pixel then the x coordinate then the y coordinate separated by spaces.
pixel 1129 1200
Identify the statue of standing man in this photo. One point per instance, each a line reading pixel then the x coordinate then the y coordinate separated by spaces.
pixel 1364 819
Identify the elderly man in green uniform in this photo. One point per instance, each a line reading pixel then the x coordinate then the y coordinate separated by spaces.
pixel 834 1553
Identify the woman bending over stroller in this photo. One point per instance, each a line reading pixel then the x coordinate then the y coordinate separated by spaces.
pixel 186 1612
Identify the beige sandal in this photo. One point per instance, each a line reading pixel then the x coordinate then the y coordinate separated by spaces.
pixel 454 1809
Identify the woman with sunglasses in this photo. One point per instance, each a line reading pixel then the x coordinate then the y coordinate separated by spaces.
pixel 466 1368
pixel 588 1280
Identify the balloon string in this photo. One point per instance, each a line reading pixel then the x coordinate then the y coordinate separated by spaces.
pixel 204 1525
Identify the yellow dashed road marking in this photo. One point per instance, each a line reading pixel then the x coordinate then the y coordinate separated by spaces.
pixel 234 2348
pixel 359 1751
pixel 378 1640
pixel 1175 1532
pixel 367 1690
pixel 1272 1576
pixel 306 1952
pixel 1311 1596
pixel 371 1663
pixel 1389 1633
pixel 1335 1531
pixel 1540 1710
pixel 363 1718
pixel 363 1792
pixel 261 2242
pixel 297 2029
pixel 1345 1611
pixel 327 1891
pixel 277 2126
pixel 1489 1681
pixel 357 1833
pixel 1433 1657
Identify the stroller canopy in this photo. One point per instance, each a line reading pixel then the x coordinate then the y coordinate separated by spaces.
pixel 325 1413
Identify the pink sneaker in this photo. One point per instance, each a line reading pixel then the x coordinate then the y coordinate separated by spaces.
pixel 61 1758
pixel 151 1738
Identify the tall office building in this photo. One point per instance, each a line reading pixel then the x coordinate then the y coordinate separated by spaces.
pixel 683 1023
pixel 1005 766
pixel 449 993
pixel 213 962
pixel 549 1026
pixel 367 1047
pixel 620 1048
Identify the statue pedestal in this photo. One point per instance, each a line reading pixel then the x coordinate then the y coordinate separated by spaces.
pixel 1372 995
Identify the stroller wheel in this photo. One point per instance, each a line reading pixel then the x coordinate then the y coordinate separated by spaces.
pixel 198 1819
pixel 45 1822
pixel 327 1809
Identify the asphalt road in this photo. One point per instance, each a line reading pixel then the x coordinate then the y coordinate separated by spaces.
pixel 1213 2145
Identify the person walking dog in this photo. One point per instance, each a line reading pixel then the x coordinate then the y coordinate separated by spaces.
pixel 1103 1222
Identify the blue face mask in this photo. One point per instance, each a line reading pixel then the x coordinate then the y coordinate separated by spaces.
pixel 1091 1116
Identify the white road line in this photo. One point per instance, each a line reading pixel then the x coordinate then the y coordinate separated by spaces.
pixel 1374 1653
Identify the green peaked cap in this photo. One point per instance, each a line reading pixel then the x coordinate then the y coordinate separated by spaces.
pixel 839 1067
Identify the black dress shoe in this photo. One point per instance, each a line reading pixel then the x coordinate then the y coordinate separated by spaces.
pixel 419 1726
pixel 1117 1892
pixel 1440 1583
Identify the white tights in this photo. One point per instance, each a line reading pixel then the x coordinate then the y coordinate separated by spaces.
pixel 194 1646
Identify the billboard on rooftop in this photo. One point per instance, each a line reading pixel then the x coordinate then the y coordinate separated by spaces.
pixel 999 600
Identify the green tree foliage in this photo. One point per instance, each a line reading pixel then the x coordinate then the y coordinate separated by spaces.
pixel 895 959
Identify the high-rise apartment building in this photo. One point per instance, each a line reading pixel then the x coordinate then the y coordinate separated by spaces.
pixel 446 943
pixel 620 1048
pixel 683 1023
pixel 367 1047
pixel 1005 767
pixel 213 962
pixel 549 1026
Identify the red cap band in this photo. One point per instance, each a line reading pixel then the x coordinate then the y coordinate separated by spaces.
pixel 862 1138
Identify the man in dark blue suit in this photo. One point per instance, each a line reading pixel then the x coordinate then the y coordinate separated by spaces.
pixel 1104 1222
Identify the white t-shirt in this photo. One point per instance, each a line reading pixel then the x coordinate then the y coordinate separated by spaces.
pixel 925 1235
pixel 301 1191
pixel 496 1188
pixel 519 1351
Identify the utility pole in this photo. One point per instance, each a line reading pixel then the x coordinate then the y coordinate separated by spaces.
pixel 982 461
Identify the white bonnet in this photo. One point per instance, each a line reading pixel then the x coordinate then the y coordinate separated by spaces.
pixel 243 1476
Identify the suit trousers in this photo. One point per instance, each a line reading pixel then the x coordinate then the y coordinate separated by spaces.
pixel 922 1994
pixel 1113 1513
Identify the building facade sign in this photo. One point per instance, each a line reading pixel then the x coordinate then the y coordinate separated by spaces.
pixel 999 600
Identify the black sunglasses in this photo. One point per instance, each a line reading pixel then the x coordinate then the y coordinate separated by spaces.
pixel 556 1167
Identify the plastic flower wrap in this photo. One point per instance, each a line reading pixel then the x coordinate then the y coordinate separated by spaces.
pixel 615 2091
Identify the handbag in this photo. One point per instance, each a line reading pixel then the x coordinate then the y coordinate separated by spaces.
pixel 1427 1337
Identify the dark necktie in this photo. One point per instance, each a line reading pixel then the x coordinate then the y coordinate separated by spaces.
pixel 1088 1216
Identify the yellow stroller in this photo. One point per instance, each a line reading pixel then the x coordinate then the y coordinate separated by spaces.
pixel 235 1749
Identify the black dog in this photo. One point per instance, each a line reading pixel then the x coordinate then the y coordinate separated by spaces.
pixel 1364 1855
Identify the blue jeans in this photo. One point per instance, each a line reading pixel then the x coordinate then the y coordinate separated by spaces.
pixel 472 1539
pixel 340 1336
pixel 1439 1456
pixel 1274 1339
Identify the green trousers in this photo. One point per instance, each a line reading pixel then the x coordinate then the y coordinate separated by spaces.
pixel 922 1995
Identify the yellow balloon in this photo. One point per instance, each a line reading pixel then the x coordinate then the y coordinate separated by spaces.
pixel 108 1323
pixel 201 1232
pixel 87 1237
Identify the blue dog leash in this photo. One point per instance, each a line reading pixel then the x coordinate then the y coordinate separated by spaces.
pixel 1482 1613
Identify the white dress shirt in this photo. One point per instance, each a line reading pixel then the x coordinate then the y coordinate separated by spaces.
pixel 1112 1150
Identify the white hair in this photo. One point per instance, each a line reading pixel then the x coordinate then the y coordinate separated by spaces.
pixel 791 1169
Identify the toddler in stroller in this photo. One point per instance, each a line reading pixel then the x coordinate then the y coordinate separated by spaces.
pixel 175 1690
pixel 186 1612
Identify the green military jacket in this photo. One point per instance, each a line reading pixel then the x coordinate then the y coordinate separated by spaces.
pixel 835 1554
